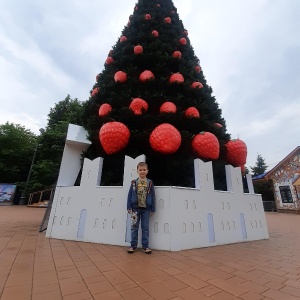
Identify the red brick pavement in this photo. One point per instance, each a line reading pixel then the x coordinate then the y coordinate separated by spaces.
pixel 38 268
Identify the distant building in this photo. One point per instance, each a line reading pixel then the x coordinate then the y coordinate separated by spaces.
pixel 286 182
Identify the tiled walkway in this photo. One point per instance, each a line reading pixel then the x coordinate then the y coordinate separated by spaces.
pixel 35 267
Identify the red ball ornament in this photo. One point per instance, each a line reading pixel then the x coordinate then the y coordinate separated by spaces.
pixel 168 20
pixel 95 92
pixel 192 112
pixel 146 76
pixel 120 76
pixel 155 33
pixel 114 137
pixel 158 5
pixel 236 153
pixel 109 60
pixel 198 69
pixel 104 109
pixel 197 85
pixel 123 38
pixel 176 54
pixel 138 106
pixel 98 77
pixel 206 145
pixel 218 125
pixel 138 49
pixel 176 78
pixel 147 17
pixel 136 7
pixel 168 107
pixel 165 139
pixel 183 41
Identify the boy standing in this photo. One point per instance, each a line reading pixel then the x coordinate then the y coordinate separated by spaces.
pixel 141 205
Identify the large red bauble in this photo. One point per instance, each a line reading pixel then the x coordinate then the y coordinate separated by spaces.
pixel 95 92
pixel 192 112
pixel 168 20
pixel 197 85
pixel 183 41
pixel 165 139
pixel 114 137
pixel 109 60
pixel 146 76
pixel 176 54
pixel 198 69
pixel 176 78
pixel 138 49
pixel 155 33
pixel 123 38
pixel 236 152
pixel 138 106
pixel 168 107
pixel 147 17
pixel 104 109
pixel 120 76
pixel 206 145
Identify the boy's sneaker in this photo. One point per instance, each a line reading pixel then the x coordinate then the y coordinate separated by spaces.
pixel 147 250
pixel 131 249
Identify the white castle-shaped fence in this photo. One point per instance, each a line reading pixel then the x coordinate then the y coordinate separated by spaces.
pixel 185 218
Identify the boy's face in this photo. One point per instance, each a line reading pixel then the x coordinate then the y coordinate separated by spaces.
pixel 142 171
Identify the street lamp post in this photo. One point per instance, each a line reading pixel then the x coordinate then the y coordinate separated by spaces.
pixel 23 196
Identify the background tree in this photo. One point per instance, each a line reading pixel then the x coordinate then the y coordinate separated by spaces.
pixel 154 40
pixel 263 186
pixel 260 166
pixel 68 110
pixel 51 142
pixel 16 152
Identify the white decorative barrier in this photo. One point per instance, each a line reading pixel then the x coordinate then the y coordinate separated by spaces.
pixel 185 218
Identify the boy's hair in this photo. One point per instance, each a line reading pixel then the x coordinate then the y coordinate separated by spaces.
pixel 142 164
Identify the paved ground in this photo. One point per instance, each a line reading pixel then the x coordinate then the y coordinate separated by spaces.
pixel 35 267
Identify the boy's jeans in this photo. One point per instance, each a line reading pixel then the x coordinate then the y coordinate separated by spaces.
pixel 143 215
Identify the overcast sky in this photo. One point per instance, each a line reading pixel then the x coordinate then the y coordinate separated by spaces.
pixel 249 52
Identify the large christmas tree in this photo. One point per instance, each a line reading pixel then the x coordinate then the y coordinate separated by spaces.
pixel 152 98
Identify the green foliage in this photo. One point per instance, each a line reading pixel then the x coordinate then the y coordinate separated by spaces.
pixel 265 188
pixel 260 166
pixel 68 110
pixel 157 57
pixel 16 152
pixel 49 154
pixel 51 142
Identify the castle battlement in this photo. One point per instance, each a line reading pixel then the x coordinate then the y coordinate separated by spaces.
pixel 185 218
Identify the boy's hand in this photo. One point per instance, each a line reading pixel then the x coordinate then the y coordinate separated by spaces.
pixel 129 211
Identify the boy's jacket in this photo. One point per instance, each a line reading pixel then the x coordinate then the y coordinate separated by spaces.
pixel 132 201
